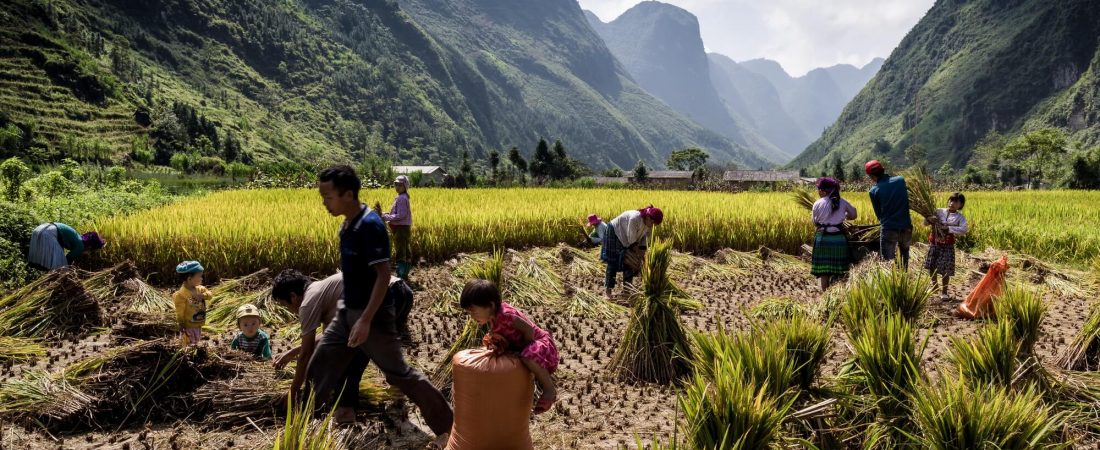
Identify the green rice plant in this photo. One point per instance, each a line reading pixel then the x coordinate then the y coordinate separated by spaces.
pixel 654 347
pixel 806 342
pixel 19 350
pixel 301 432
pixel 1023 309
pixel 776 308
pixel 491 268
pixel 587 303
pixel 762 358
pixel 955 415
pixel 885 291
pixel 1084 352
pixel 731 410
pixel 657 443
pixel 888 362
pixel 990 358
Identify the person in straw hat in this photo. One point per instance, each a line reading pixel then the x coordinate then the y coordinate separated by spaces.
pixel 251 339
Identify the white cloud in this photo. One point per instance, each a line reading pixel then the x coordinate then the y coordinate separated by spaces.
pixel 800 34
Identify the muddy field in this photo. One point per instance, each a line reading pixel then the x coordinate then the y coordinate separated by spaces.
pixel 595 410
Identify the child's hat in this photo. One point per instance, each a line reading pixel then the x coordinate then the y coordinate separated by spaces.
pixel 248 310
pixel 593 220
pixel 189 267
pixel 402 180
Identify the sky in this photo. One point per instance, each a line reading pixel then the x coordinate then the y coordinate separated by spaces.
pixel 800 34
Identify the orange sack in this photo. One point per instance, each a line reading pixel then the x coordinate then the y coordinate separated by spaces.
pixel 979 303
pixel 492 402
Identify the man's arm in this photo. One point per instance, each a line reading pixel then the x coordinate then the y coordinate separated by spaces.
pixel 361 330
pixel 305 352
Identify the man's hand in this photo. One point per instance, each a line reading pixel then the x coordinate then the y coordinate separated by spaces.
pixel 359 333
pixel 282 359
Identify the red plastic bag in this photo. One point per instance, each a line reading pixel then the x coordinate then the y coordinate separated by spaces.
pixel 979 303
pixel 492 402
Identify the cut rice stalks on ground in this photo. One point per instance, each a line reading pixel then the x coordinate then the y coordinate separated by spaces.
pixel 686 266
pixel 107 285
pixel 582 302
pixel 582 264
pixel 20 350
pixel 147 299
pixel 1084 352
pixel 53 306
pixel 533 282
pixel 654 348
pixel 739 259
pixel 771 309
pixel 142 382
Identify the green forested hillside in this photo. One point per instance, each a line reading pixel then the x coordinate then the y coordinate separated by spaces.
pixel 216 81
pixel 973 68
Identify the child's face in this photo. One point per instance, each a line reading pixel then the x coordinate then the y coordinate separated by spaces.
pixel 954 205
pixel 249 326
pixel 480 314
pixel 194 280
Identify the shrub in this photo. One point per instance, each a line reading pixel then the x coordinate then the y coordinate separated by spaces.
pixel 15 173
pixel 14 271
pixel 16 224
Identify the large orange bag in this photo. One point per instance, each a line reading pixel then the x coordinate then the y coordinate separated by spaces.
pixel 492 402
pixel 980 301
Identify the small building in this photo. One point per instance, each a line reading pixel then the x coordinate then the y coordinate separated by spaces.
pixel 422 175
pixel 681 179
pixel 604 181
pixel 749 178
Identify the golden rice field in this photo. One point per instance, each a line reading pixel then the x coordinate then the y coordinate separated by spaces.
pixel 237 232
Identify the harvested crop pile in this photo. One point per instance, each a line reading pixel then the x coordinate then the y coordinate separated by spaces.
pixel 143 326
pixel 108 285
pixel 53 306
pixel 655 347
pixel 255 289
pixel 1084 352
pixel 14 349
pixel 143 382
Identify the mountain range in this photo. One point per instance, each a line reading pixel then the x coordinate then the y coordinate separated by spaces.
pixel 754 103
pixel 972 69
pixel 416 81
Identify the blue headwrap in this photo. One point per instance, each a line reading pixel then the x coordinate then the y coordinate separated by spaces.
pixel 189 267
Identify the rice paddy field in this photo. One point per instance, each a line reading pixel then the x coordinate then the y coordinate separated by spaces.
pixel 722 344
pixel 239 232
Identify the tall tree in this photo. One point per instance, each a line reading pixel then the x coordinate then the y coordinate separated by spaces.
pixel 543 161
pixel 687 159
pixel 494 162
pixel 838 168
pixel 641 173
pixel 1037 152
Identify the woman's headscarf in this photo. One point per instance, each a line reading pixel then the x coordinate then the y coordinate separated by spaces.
pixel 831 186
pixel 653 213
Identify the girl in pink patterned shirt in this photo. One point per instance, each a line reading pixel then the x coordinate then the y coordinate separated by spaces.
pixel 513 331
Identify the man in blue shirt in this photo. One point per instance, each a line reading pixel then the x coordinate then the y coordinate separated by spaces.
pixel 890 200
pixel 364 328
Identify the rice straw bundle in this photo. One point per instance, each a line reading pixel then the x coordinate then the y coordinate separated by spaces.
pixel 582 264
pixel 52 306
pixel 805 198
pixel 1084 352
pixel 654 347
pixel 15 349
pixel 739 259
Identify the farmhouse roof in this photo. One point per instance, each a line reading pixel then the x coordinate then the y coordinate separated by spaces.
pixel 760 175
pixel 670 174
pixel 422 169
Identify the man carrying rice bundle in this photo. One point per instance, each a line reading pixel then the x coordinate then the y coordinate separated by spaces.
pixel 890 200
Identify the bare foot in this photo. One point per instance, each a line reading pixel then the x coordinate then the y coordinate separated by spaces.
pixel 440 442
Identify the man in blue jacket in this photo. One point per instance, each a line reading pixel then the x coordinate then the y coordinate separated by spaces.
pixel 890 199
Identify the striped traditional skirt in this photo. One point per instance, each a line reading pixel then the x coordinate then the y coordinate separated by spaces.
pixel 940 259
pixel 830 254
